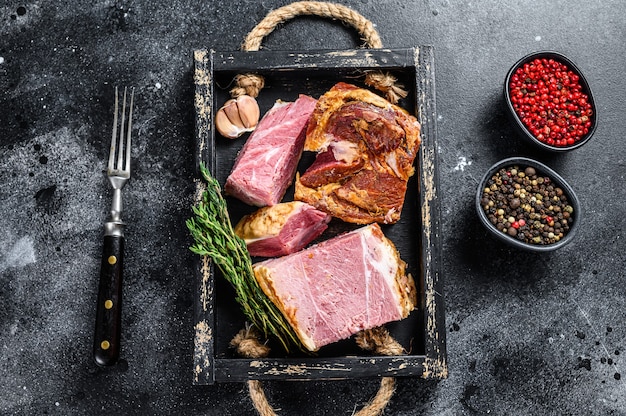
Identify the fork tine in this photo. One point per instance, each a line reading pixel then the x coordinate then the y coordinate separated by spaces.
pixel 129 128
pixel 114 136
pixel 120 153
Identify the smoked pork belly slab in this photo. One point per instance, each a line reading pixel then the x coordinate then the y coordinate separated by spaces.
pixel 281 229
pixel 266 165
pixel 365 151
pixel 340 286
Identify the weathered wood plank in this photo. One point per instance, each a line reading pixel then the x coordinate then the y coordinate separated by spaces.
pixel 317 368
pixel 300 61
pixel 431 218
pixel 204 321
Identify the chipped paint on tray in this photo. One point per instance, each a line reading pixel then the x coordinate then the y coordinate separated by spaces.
pixel 203 338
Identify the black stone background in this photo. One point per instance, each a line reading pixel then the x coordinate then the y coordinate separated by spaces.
pixel 527 334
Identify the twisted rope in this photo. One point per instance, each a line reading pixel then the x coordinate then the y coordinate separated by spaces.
pixel 251 84
pixel 322 9
pixel 247 343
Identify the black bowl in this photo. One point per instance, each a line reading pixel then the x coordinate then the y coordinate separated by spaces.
pixel 519 126
pixel 555 179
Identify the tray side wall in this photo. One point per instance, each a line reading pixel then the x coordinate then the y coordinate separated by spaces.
pixel 204 314
pixel 436 364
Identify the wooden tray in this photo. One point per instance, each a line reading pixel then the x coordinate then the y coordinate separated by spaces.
pixel 417 235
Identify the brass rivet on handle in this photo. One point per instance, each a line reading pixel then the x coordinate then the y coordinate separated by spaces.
pixel 108 304
pixel 105 345
pixel 112 260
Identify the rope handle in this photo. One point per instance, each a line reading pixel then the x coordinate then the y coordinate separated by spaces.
pixel 247 343
pixel 251 84
pixel 301 8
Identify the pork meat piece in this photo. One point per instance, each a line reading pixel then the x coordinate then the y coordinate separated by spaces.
pixel 266 165
pixel 281 229
pixel 340 286
pixel 365 148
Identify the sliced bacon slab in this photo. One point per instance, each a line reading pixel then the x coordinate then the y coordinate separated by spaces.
pixel 340 286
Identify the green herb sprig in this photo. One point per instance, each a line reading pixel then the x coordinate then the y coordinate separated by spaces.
pixel 214 237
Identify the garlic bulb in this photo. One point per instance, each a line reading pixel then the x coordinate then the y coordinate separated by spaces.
pixel 237 116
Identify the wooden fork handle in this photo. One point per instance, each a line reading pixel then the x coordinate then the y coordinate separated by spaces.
pixel 106 349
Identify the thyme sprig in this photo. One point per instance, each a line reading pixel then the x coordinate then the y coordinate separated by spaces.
pixel 214 237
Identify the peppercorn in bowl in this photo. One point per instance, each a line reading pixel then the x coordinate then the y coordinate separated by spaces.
pixel 524 203
pixel 549 102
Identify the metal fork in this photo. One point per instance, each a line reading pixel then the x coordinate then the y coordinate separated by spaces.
pixel 106 347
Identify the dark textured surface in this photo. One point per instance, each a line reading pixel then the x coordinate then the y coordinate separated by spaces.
pixel 528 334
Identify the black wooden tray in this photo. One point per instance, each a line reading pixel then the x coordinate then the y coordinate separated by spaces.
pixel 417 235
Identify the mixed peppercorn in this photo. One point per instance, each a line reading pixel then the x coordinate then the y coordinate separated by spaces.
pixel 527 206
pixel 549 100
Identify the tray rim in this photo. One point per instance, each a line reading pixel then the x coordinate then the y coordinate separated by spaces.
pixel 209 369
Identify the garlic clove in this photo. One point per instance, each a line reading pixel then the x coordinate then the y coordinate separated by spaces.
pixel 225 127
pixel 248 111
pixel 237 116
pixel 231 109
